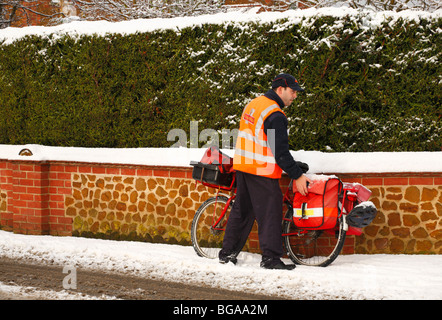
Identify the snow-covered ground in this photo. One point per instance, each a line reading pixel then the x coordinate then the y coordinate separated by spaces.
pixel 349 277
pixel 8 291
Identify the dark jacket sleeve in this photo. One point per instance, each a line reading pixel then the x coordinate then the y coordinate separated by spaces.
pixel 278 122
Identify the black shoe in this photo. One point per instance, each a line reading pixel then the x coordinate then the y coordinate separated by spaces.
pixel 226 258
pixel 268 263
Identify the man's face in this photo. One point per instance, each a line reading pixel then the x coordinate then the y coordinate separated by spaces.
pixel 287 95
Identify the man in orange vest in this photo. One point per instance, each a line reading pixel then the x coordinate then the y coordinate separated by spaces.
pixel 261 154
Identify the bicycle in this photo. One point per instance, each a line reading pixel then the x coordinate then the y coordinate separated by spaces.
pixel 305 246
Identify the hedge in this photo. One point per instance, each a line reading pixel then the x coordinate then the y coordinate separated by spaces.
pixel 367 88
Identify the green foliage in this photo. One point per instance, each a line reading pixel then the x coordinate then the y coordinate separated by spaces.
pixel 367 89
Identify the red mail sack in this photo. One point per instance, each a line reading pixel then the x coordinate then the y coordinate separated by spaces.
pixel 318 210
pixel 213 155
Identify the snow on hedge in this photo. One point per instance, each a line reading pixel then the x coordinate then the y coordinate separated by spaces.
pixel 78 28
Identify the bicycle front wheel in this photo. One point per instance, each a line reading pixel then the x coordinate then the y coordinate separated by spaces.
pixel 208 225
pixel 313 247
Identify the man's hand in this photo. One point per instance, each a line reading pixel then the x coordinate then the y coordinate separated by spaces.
pixel 301 184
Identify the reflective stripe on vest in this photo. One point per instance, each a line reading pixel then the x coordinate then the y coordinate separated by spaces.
pixel 253 153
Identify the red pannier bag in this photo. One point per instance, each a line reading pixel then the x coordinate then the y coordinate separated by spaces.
pixel 318 210
pixel 362 194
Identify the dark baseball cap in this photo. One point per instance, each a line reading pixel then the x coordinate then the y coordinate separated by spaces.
pixel 286 80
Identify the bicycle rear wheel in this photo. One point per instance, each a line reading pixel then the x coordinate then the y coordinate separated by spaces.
pixel 313 247
pixel 208 225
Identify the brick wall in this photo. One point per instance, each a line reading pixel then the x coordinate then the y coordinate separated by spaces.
pixel 38 13
pixel 153 203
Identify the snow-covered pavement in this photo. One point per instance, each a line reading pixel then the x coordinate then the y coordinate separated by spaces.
pixel 349 277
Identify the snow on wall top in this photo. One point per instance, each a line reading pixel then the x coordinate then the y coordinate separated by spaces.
pixel 319 162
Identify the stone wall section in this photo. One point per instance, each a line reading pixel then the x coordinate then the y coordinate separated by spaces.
pixel 158 209
pixel 409 220
pixel 127 207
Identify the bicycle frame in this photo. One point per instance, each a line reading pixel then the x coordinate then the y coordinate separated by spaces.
pixel 223 213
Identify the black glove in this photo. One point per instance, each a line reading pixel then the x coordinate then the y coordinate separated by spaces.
pixel 304 166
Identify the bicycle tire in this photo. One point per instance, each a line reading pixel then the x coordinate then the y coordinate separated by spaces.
pixel 313 248
pixel 206 238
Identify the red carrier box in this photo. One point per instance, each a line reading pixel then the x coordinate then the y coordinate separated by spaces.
pixel 215 169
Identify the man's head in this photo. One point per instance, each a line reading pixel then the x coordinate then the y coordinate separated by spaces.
pixel 287 87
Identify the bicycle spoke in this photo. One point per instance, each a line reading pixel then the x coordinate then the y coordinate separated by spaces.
pixel 315 248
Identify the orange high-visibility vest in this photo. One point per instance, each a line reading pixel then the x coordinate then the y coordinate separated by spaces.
pixel 252 152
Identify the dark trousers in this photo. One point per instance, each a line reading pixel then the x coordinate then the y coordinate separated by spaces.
pixel 257 198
